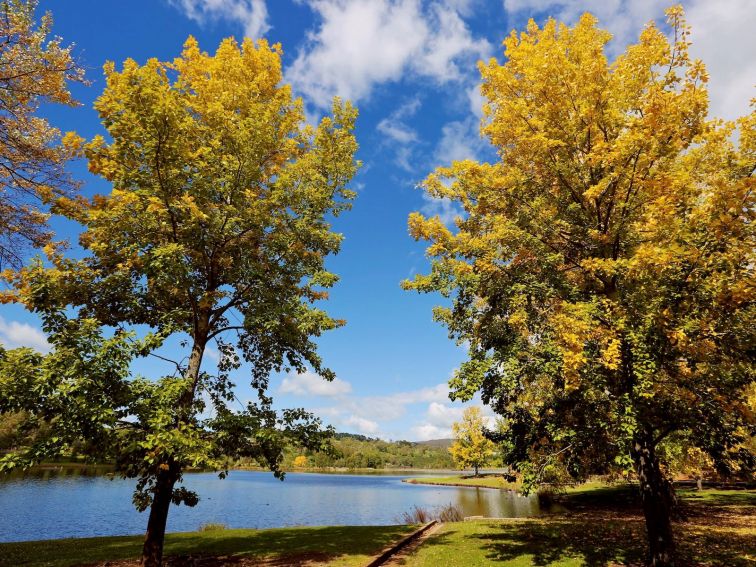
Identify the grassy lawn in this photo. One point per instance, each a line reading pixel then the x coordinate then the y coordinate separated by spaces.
pixel 339 546
pixel 602 527
pixel 484 480
pixel 526 542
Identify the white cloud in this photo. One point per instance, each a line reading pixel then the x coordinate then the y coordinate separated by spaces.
pixel 437 393
pixel 464 7
pixel 366 426
pixel 624 18
pixel 310 384
pixel 14 334
pixel 399 136
pixel 395 127
pixel 722 36
pixel 394 406
pixel 252 14
pixel 361 43
pixel 445 209
pixel 442 415
pixel 373 415
pixel 426 431
pixel 476 100
pixel 397 131
pixel 460 140
pixel 415 415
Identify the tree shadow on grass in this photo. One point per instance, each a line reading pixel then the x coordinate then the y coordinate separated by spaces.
pixel 596 544
pixel 604 542
pixel 621 497
pixel 723 537
pixel 407 556
pixel 294 546
pixel 334 540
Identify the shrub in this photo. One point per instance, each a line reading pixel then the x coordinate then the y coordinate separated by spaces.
pixel 212 527
pixel 418 515
pixel 449 513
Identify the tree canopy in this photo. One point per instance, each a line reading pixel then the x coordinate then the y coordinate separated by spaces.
pixel 216 230
pixel 33 70
pixel 471 448
pixel 602 270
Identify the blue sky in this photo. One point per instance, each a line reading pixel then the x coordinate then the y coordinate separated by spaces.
pixel 409 65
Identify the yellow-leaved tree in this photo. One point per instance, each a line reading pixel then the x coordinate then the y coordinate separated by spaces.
pixel 602 269
pixel 34 69
pixel 471 448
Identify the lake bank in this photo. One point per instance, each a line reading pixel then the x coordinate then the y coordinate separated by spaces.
pixel 338 545
pixel 602 526
pixel 104 468
pixel 488 480
pixel 51 505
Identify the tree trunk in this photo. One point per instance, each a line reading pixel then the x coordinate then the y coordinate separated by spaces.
pixel 192 373
pixel 476 470
pixel 657 496
pixel 152 552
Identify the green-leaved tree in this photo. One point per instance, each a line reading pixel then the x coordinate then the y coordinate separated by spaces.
pixel 215 232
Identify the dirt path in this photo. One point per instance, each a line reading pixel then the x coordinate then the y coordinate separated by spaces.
pixel 401 557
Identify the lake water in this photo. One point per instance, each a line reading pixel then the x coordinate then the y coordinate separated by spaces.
pixel 56 505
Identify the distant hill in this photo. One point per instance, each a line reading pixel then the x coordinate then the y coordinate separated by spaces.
pixel 441 443
pixel 355 451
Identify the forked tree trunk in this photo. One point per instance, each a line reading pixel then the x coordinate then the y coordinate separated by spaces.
pixel 657 496
pixel 152 552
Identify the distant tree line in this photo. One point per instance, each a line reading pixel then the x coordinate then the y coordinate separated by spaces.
pixel 353 451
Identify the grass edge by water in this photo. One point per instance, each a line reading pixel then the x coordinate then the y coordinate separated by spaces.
pixel 343 545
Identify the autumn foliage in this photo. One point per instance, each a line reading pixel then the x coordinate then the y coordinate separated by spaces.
pixel 471 448
pixel 34 69
pixel 602 270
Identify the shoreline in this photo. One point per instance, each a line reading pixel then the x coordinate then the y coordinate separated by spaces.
pixel 457 484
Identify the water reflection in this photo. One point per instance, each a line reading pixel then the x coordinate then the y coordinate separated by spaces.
pixel 504 504
pixel 53 471
pixel 71 502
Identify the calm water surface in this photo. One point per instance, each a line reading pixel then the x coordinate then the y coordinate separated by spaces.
pixel 56 505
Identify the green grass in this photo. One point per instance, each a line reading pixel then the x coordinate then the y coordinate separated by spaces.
pixel 520 543
pixel 622 496
pixel 568 541
pixel 602 526
pixel 484 481
pixel 597 495
pixel 339 546
pixel 718 497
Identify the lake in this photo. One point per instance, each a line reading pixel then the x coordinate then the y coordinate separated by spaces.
pixel 49 505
